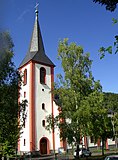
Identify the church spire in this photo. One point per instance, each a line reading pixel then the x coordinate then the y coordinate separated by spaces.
pixel 36 10
pixel 36 50
pixel 36 40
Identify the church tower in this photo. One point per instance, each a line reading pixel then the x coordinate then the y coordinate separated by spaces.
pixel 38 78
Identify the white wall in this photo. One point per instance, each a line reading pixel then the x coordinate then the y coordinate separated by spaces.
pixel 57 131
pixel 25 134
pixel 42 97
pixel 40 114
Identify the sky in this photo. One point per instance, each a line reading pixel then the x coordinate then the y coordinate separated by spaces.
pixel 84 22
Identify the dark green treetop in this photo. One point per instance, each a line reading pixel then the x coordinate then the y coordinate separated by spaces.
pixel 110 4
pixel 10 82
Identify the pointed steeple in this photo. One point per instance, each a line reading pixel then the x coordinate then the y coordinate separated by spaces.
pixel 34 46
pixel 36 40
pixel 36 50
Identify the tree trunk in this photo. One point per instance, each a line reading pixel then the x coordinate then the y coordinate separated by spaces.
pixel 77 152
pixel 103 146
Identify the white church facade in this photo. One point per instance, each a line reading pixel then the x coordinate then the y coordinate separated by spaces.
pixel 38 71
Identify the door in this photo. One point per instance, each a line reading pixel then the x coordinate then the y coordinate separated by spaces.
pixel 43 146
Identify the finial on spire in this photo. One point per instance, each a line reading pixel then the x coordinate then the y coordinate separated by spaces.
pixel 36 9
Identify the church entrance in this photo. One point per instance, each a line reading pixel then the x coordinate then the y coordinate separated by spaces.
pixel 44 149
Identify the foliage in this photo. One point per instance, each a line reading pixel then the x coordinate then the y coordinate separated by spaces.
pixel 110 98
pixel 111 103
pixel 110 4
pixel 77 92
pixel 104 122
pixel 9 108
pixel 109 49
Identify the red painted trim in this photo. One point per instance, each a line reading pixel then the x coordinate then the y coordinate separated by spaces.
pixel 61 120
pixel 63 143
pixel 52 66
pixel 52 96
pixel 32 106
pixel 107 146
pixel 85 141
pixel 24 65
pixel 98 143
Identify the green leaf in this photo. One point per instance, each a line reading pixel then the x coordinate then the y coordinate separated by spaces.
pixel 109 49
pixel 114 20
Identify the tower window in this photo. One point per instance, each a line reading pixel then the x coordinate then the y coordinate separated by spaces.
pixel 24 122
pixel 24 94
pixel 24 142
pixel 43 106
pixel 25 76
pixel 43 123
pixel 42 75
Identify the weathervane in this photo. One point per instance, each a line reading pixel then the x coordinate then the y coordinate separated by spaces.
pixel 37 4
pixel 36 9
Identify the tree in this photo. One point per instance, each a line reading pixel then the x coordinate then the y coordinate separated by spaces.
pixel 110 4
pixel 111 103
pixel 100 124
pixel 10 82
pixel 110 100
pixel 101 128
pixel 104 123
pixel 74 91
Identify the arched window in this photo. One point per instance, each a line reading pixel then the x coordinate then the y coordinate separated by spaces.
pixel 24 94
pixel 24 142
pixel 42 75
pixel 25 76
pixel 43 123
pixel 43 106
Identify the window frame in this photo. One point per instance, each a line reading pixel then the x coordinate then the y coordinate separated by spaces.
pixel 25 76
pixel 42 75
pixel 24 94
pixel 43 123
pixel 24 142
pixel 43 106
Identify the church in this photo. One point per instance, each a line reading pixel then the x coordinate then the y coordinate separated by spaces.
pixel 38 79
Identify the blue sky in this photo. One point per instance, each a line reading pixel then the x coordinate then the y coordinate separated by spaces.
pixel 82 21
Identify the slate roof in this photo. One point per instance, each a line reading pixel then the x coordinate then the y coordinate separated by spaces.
pixel 36 50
